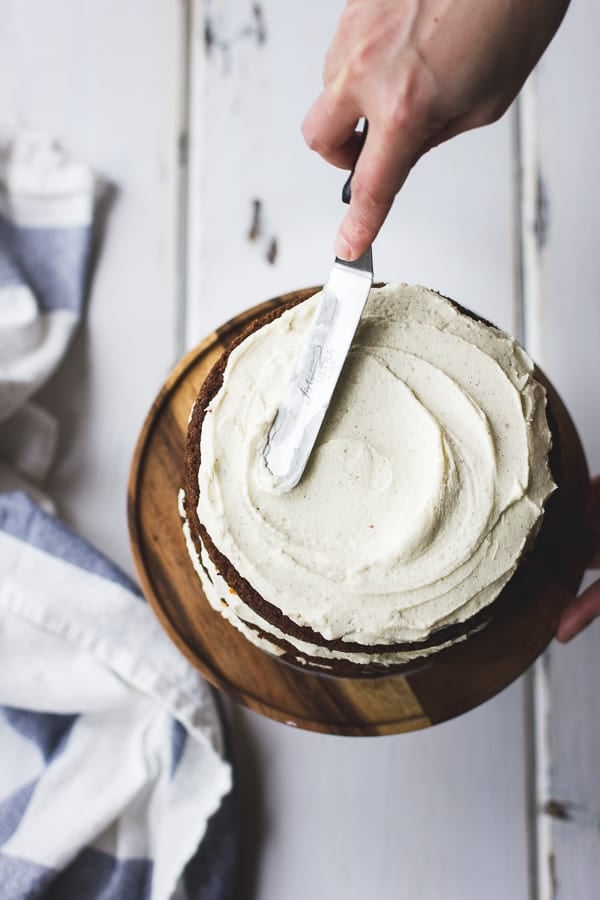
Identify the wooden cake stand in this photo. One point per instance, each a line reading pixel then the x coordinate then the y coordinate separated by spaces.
pixel 455 681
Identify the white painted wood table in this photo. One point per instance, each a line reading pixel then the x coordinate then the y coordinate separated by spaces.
pixel 191 111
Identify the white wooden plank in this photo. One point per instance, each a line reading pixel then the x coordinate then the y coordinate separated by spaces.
pixel 443 813
pixel 568 328
pixel 438 813
pixel 104 79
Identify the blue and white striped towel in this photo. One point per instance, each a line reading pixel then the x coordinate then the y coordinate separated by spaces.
pixel 46 209
pixel 114 783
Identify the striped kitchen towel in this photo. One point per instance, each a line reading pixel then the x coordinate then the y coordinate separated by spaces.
pixel 46 212
pixel 114 779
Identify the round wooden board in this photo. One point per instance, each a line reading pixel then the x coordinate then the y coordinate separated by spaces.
pixel 455 681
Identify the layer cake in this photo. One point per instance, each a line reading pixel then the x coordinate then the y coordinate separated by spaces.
pixel 424 493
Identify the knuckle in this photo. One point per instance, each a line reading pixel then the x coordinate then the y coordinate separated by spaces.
pixel 411 103
pixel 351 23
pixel 405 109
pixel 361 62
pixel 313 138
pixel 402 112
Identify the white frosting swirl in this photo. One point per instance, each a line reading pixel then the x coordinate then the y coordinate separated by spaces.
pixel 427 481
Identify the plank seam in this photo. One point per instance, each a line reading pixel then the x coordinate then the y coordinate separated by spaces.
pixel 183 187
pixel 196 168
pixel 532 228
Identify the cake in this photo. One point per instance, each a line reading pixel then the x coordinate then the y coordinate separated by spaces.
pixel 424 493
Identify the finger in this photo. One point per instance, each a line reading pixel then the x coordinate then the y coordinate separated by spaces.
pixel 593 521
pixel 579 613
pixel 345 156
pixel 380 172
pixel 329 128
pixel 593 509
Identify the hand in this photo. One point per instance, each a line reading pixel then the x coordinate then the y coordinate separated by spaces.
pixel 581 611
pixel 420 71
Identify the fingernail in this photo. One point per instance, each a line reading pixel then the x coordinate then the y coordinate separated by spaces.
pixel 569 626
pixel 565 631
pixel 343 250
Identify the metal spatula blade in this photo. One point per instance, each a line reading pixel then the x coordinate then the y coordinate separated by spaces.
pixel 306 400
pixel 298 421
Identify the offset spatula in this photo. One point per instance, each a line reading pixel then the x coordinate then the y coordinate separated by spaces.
pixel 305 401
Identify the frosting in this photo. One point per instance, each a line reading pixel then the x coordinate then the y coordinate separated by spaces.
pixel 426 484
pixel 262 633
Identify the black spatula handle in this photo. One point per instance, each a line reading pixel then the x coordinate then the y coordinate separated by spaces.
pixel 347 189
